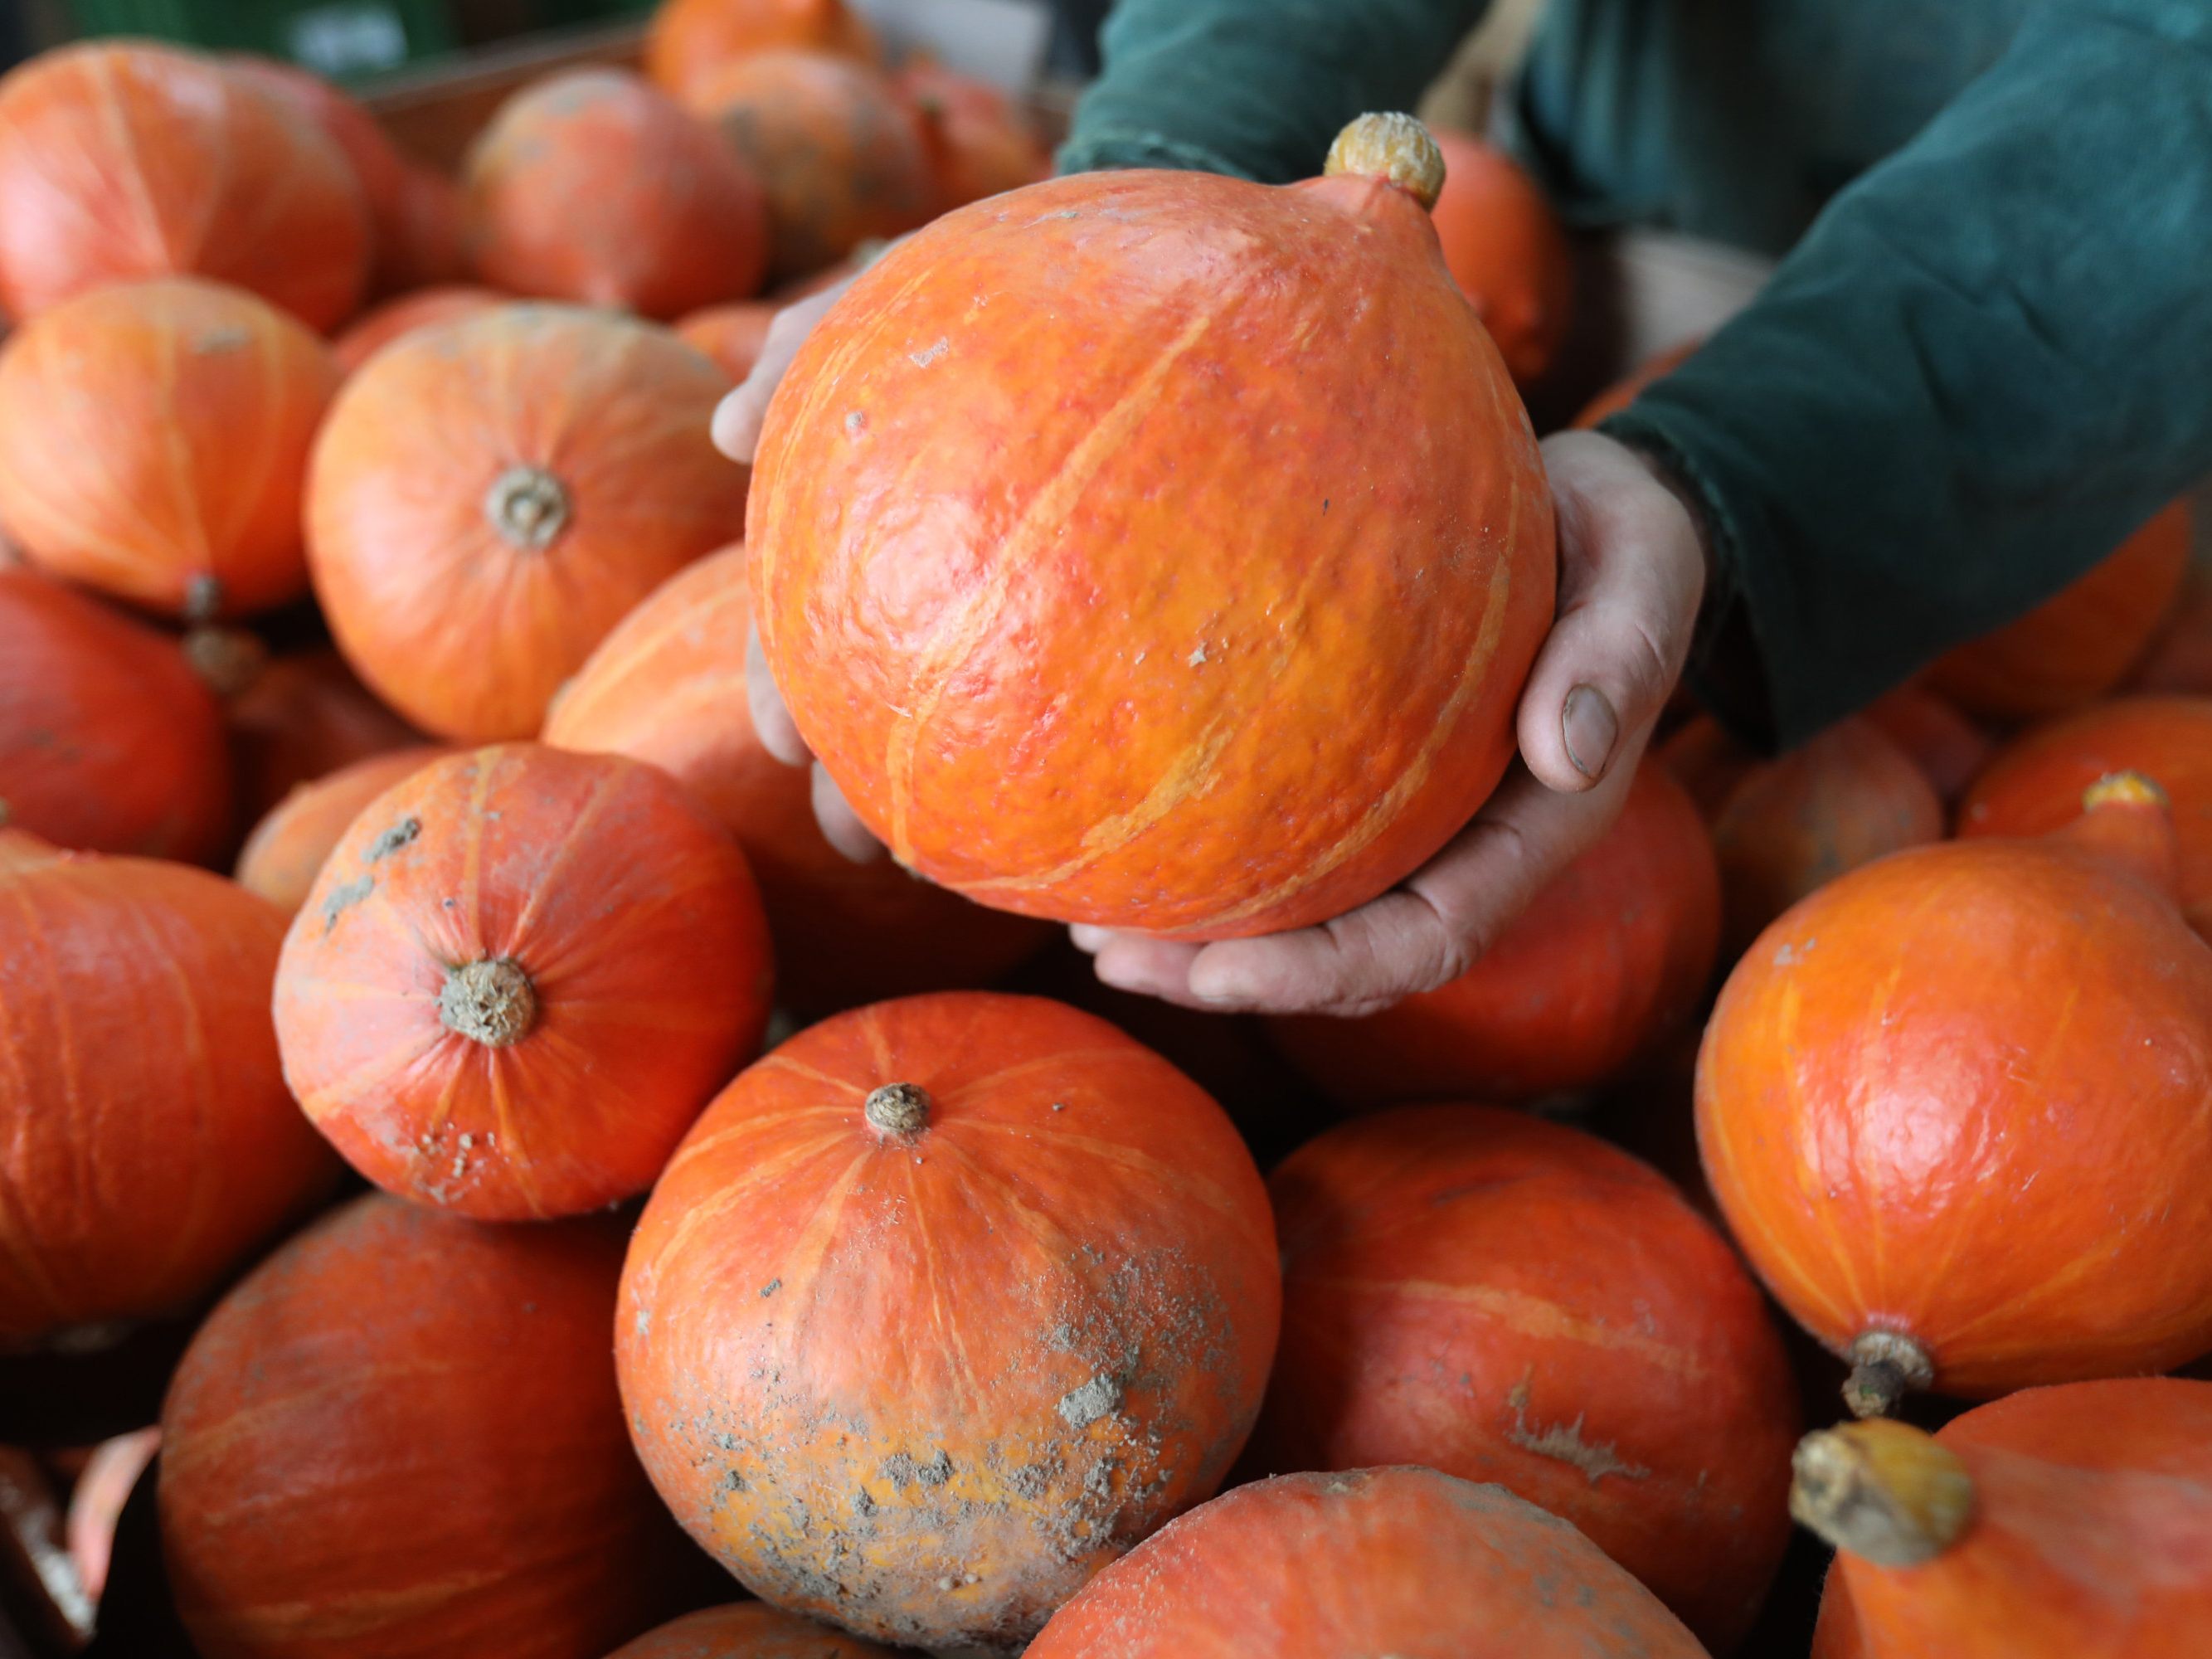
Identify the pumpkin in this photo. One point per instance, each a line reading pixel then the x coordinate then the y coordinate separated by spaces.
pixel 1614 954
pixel 2180 657
pixel 1625 391
pixel 978 145
pixel 590 186
pixel 1404 1562
pixel 147 1144
pixel 1507 252
pixel 519 978
pixel 489 498
pixel 1948 747
pixel 429 232
pixel 2058 1523
pixel 120 162
pixel 424 308
pixel 302 717
pixel 1212 739
pixel 1957 1108
pixel 733 335
pixel 668 686
pixel 1707 762
pixel 2080 642
pixel 1076 1250
pixel 289 846
pixel 690 42
pixel 841 156
pixel 108 740
pixel 1559 1321
pixel 400 1435
pixel 2035 784
pixel 1796 822
pixel 748 1630
pixel 153 440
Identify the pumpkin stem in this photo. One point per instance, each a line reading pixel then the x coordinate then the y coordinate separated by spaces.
pixel 229 658
pixel 203 599
pixel 1395 148
pixel 490 1001
pixel 1884 1368
pixel 898 1109
pixel 1884 1492
pixel 2126 820
pixel 528 508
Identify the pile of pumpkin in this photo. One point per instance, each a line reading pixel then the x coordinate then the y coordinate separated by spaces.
pixel 961 1320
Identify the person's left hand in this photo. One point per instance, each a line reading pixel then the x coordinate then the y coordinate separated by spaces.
pixel 1632 572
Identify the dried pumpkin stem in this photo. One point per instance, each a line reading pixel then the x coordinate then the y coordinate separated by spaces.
pixel 490 1001
pixel 1881 1491
pixel 528 506
pixel 229 660
pixel 1395 148
pixel 203 599
pixel 1885 1366
pixel 898 1109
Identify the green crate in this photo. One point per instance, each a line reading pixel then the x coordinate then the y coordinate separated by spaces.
pixel 345 40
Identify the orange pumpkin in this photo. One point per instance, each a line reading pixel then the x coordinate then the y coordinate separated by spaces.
pixel 1957 1110
pixel 1796 822
pixel 1401 1561
pixel 1203 742
pixel 289 846
pixel 1076 1249
pixel 590 186
pixel 668 686
pixel 1948 747
pixel 841 155
pixel 153 440
pixel 2079 643
pixel 732 335
pixel 2059 1523
pixel 489 497
pixel 1612 955
pixel 120 162
pixel 978 145
pixel 1559 1322
pixel 147 1144
pixel 1507 252
pixel 2035 785
pixel 1625 391
pixel 1707 762
pixel 429 232
pixel 424 308
pixel 303 716
pixel 691 42
pixel 108 740
pixel 518 980
pixel 748 1630
pixel 400 1436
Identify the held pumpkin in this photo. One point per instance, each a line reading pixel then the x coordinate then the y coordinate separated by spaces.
pixel 154 441
pixel 121 162
pixel 147 1144
pixel 1611 957
pixel 287 849
pixel 1074 1250
pixel 691 42
pixel 1559 1322
pixel 2067 1523
pixel 424 308
pixel 519 978
pixel 1507 252
pixel 108 740
pixel 2035 785
pixel 1401 1561
pixel 748 1630
pixel 302 717
pixel 2079 643
pixel 489 498
pixel 400 1436
pixel 592 186
pixel 668 686
pixel 1957 1110
pixel 1304 686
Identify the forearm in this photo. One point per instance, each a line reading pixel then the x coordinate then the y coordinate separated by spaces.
pixel 1255 88
pixel 1981 369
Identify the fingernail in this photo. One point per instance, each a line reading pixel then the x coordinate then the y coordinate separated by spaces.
pixel 1590 729
pixel 1219 987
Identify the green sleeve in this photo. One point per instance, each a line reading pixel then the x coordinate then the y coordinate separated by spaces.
pixel 1255 88
pixel 1988 361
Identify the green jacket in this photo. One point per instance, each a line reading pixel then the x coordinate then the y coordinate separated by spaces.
pixel 1986 358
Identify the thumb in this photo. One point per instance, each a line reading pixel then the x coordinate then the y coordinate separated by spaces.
pixel 1632 572
pixel 740 415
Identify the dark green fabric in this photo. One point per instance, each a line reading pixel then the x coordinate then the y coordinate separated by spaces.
pixel 1987 360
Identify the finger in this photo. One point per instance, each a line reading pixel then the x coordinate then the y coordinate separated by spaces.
pixel 841 825
pixel 1632 570
pixel 739 416
pixel 1089 938
pixel 1151 967
pixel 772 723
